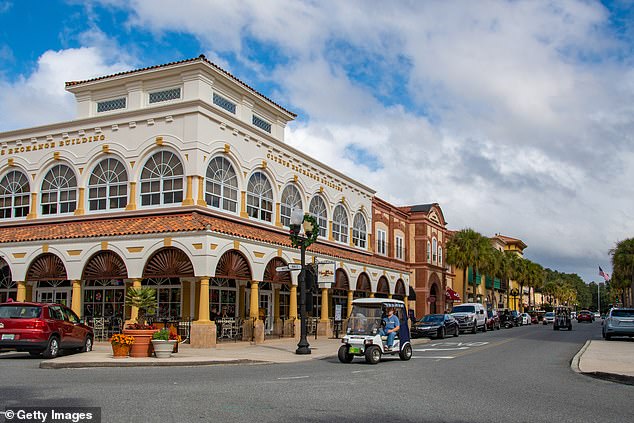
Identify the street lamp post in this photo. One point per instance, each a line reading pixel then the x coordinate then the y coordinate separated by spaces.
pixel 303 239
pixel 515 293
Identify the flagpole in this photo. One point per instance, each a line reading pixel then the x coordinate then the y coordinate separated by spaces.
pixel 598 300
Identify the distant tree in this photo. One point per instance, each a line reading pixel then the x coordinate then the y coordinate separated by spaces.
pixel 468 248
pixel 623 269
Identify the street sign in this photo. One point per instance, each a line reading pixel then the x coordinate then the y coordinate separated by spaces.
pixel 337 312
pixel 293 266
pixel 282 269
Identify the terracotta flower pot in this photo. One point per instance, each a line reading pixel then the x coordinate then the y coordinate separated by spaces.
pixel 120 350
pixel 142 346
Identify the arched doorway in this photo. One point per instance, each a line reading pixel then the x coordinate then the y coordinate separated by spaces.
pixel 232 270
pixel 382 288
pixel 433 299
pixel 340 292
pixel 104 286
pixel 163 272
pixel 51 282
pixel 363 289
pixel 399 290
pixel 280 282
pixel 8 287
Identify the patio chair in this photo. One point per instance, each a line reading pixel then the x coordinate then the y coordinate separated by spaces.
pixel 99 328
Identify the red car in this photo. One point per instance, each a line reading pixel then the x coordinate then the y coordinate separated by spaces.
pixel 585 316
pixel 493 320
pixel 39 328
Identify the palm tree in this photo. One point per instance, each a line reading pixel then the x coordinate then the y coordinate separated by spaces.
pixel 507 270
pixel 522 275
pixel 144 299
pixel 623 267
pixel 468 248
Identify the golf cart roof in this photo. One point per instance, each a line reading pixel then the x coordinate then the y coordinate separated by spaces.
pixel 378 301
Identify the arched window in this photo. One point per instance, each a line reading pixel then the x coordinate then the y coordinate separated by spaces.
pixel 434 250
pixel 359 231
pixel 108 186
pixel 59 191
pixel 340 224
pixel 162 180
pixel 260 197
pixel 291 199
pixel 439 256
pixel 222 185
pixel 14 195
pixel 317 209
pixel 428 252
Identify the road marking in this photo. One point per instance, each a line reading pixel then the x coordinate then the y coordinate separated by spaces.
pixel 292 377
pixel 445 357
pixel 362 371
pixel 441 349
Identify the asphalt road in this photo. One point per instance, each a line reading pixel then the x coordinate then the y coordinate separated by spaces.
pixel 515 375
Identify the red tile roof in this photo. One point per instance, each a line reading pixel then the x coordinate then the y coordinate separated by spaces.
pixel 171 223
pixel 201 58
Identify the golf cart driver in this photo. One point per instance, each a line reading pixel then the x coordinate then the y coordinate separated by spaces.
pixel 366 325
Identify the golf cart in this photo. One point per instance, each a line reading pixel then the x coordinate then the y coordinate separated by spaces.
pixel 562 318
pixel 363 337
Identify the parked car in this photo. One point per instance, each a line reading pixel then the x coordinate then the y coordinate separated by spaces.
pixel 435 326
pixel 525 319
pixel 470 316
pixel 585 316
pixel 533 319
pixel 618 322
pixel 508 319
pixel 493 320
pixel 549 317
pixel 596 315
pixel 39 328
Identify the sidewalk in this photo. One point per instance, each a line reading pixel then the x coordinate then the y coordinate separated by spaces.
pixel 271 351
pixel 610 360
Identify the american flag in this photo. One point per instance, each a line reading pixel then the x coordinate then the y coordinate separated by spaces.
pixel 605 275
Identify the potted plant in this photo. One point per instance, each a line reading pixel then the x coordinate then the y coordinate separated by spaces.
pixel 174 336
pixel 163 345
pixel 121 345
pixel 145 300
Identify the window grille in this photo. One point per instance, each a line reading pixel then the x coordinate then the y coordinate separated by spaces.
pixel 162 180
pixel 340 224
pixel 108 105
pixel 220 101
pixel 108 186
pixel 261 123
pixel 59 191
pixel 359 231
pixel 166 95
pixel 221 185
pixel 260 197
pixel 291 199
pixel 317 209
pixel 14 195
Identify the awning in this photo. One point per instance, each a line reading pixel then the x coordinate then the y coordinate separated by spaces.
pixel 452 295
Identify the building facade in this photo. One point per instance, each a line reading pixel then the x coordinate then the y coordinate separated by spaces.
pixel 177 177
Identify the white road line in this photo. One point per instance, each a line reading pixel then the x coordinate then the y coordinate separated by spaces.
pixel 445 357
pixel 292 377
pixel 362 371
pixel 441 349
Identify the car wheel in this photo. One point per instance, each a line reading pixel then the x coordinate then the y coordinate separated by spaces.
pixel 87 345
pixel 52 349
pixel 344 355
pixel 608 336
pixel 372 355
pixel 405 353
pixel 475 328
pixel 456 333
pixel 35 353
pixel 441 333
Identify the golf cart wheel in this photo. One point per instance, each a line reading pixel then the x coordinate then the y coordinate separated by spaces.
pixel 406 352
pixel 569 327
pixel 372 354
pixel 344 355
pixel 555 327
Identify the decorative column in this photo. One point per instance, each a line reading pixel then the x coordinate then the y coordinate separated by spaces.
pixel 132 197
pixel 350 297
pixel 389 296
pixel 134 311
pixel 294 326
pixel 371 294
pixel 201 192
pixel 33 207
pixel 203 330
pixel 80 210
pixel 323 326
pixel 243 205
pixel 21 294
pixel 254 307
pixel 189 199
pixel 76 298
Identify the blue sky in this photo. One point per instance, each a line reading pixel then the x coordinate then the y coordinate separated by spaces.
pixel 516 116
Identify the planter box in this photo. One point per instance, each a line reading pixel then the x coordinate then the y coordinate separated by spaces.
pixel 163 349
pixel 142 346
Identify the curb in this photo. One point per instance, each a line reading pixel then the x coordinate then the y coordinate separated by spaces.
pixel 609 377
pixel 77 365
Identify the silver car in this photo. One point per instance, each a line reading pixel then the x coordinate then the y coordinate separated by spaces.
pixel 549 317
pixel 619 322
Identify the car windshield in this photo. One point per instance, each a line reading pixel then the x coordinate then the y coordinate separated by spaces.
pixel 433 318
pixel 463 309
pixel 365 319
pixel 19 312
pixel 623 313
pixel 550 314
